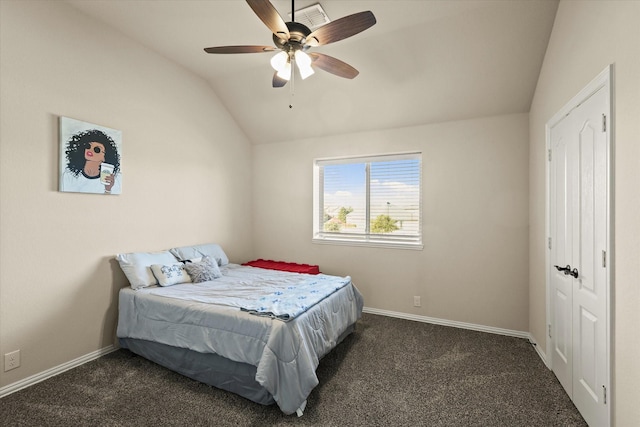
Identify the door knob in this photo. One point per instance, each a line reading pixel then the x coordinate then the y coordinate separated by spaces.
pixel 568 271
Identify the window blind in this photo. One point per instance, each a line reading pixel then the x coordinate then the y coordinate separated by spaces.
pixel 371 200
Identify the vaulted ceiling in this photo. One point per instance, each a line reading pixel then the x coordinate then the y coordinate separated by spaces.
pixel 425 61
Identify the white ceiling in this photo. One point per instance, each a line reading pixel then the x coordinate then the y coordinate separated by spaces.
pixel 424 61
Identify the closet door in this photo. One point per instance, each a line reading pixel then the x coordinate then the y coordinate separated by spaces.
pixel 579 226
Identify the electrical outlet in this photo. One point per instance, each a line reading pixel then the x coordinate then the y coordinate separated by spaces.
pixel 11 360
pixel 416 301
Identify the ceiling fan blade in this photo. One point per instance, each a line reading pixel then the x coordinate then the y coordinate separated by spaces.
pixel 277 81
pixel 240 49
pixel 270 16
pixel 333 65
pixel 341 28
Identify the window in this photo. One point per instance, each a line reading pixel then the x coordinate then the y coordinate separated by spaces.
pixel 370 201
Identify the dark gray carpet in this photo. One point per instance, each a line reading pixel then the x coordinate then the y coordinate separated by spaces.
pixel 389 372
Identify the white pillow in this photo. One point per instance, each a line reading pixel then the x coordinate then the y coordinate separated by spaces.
pixel 213 250
pixel 170 274
pixel 137 266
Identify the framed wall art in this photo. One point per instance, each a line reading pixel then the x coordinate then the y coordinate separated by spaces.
pixel 90 157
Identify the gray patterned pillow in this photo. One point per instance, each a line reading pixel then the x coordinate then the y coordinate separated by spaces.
pixel 204 270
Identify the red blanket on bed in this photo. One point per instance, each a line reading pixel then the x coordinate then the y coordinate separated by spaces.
pixel 284 266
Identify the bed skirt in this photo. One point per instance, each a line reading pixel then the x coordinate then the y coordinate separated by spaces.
pixel 208 368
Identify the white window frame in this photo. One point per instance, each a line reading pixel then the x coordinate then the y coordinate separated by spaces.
pixel 367 239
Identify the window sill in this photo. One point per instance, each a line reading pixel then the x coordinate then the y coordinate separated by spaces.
pixel 416 246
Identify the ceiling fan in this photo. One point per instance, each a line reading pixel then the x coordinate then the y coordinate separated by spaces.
pixel 293 40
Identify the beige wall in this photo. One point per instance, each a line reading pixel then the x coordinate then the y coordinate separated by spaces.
pixel 588 36
pixel 186 177
pixel 474 266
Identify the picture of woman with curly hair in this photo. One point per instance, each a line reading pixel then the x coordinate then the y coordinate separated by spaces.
pixel 90 159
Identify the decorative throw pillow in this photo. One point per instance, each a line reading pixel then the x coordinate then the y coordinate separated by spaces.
pixel 204 270
pixel 137 266
pixel 171 274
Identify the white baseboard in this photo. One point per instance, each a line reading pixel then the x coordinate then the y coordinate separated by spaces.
pixel 445 322
pixel 34 379
pixel 541 353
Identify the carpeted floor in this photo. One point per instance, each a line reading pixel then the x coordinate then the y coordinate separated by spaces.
pixel 389 372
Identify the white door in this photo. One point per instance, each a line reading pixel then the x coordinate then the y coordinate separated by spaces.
pixel 561 252
pixel 578 226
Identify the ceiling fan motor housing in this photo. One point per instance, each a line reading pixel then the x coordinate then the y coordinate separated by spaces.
pixel 297 38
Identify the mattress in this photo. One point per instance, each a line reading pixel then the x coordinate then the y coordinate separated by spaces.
pixel 285 354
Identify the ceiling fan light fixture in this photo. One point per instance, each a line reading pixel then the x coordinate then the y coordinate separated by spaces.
pixel 304 64
pixel 279 60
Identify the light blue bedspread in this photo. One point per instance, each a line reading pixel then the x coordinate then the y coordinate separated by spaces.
pixel 209 318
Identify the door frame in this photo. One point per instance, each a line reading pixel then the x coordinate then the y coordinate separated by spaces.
pixel 604 79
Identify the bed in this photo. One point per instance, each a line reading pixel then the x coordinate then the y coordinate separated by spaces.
pixel 255 332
